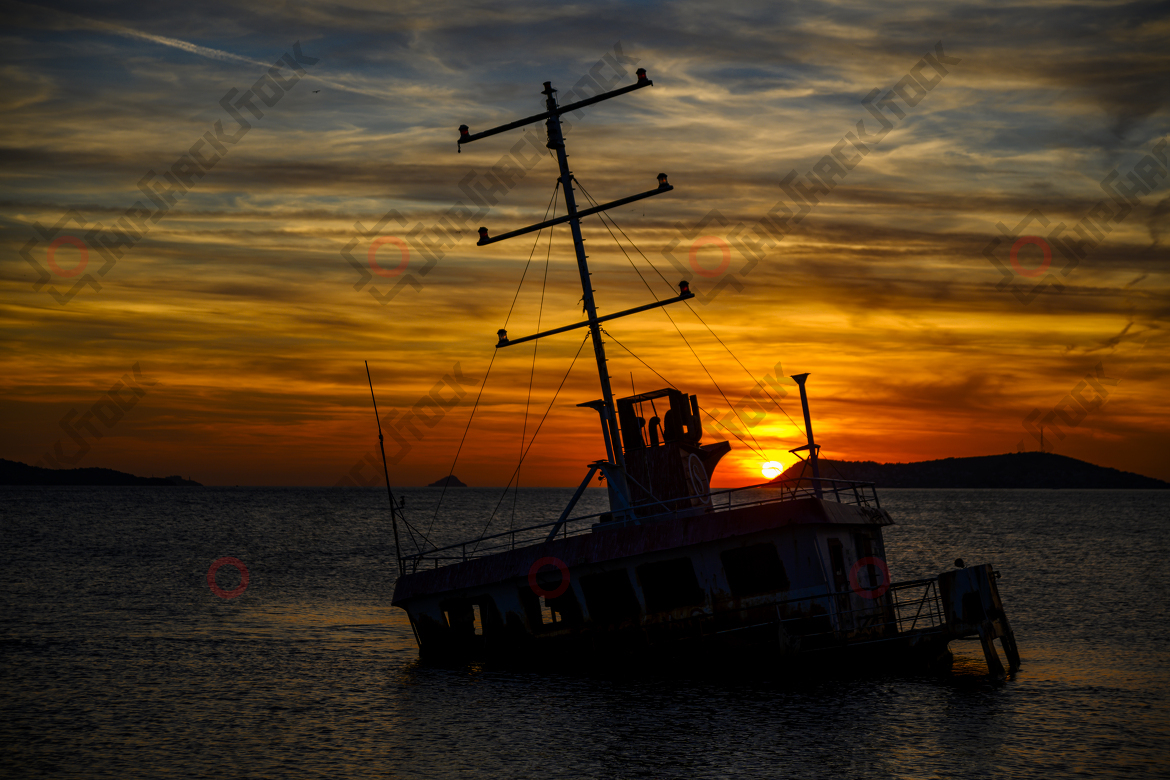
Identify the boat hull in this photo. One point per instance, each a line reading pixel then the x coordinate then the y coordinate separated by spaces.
pixel 803 580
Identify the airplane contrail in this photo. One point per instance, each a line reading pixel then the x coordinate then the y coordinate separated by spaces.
pixel 194 48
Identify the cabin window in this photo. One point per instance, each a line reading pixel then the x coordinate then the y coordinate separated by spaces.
pixel 460 618
pixel 754 570
pixel 467 617
pixel 610 596
pixel 563 609
pixel 542 609
pixel 669 584
pixel 532 606
pixel 837 563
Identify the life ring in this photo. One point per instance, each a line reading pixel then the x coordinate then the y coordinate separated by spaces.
pixel 699 483
pixel 855 582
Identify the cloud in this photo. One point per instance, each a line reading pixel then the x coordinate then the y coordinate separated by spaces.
pixel 241 296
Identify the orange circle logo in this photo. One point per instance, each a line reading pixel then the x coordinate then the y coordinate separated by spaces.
pixel 402 248
pixel 701 242
pixel 1015 258
pixel 236 591
pixel 51 256
pixel 559 589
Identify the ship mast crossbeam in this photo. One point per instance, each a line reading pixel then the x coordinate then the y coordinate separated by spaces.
pixel 485 240
pixel 466 137
pixel 506 342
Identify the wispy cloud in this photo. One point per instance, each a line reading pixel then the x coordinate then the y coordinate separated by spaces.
pixel 241 300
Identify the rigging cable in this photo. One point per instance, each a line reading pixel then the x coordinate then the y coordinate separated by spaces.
pixel 459 449
pixel 556 189
pixel 741 365
pixel 532 441
pixel 411 530
pixel 394 509
pixel 532 371
pixel 759 447
pixel 664 379
pixel 700 319
pixel 734 357
pixel 483 384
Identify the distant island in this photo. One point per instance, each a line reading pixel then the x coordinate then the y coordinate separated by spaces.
pixel 451 481
pixel 1034 470
pixel 16 473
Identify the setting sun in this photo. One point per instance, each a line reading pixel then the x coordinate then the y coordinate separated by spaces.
pixel 772 469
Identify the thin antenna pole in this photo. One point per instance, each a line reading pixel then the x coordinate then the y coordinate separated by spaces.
pixel 385 471
pixel 813 448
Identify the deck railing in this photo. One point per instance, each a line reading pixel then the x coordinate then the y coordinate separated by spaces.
pixel 911 606
pixel 841 491
pixel 917 605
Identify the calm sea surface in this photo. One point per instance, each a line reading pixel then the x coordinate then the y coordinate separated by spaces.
pixel 117 660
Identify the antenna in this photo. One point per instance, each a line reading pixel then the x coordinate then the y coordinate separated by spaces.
pixel 385 471
pixel 556 142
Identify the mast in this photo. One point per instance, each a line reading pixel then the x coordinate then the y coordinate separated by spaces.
pixel 556 141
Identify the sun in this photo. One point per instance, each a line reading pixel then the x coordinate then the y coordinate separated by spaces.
pixel 772 469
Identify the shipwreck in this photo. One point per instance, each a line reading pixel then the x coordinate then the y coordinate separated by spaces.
pixel 783 574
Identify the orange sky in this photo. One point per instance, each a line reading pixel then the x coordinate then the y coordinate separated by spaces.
pixel 239 305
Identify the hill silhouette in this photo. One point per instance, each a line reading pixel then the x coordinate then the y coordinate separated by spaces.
pixel 1012 470
pixel 15 473
pixel 451 481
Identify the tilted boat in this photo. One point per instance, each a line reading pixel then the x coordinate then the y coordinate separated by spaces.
pixel 791 571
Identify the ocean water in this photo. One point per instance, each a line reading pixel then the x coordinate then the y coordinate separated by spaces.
pixel 118 661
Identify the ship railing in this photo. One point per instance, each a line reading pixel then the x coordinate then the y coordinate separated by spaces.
pixel 913 605
pixel 906 607
pixel 916 605
pixel 842 491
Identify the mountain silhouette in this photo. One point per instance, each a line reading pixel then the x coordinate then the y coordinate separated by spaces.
pixel 451 481
pixel 1014 470
pixel 16 473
